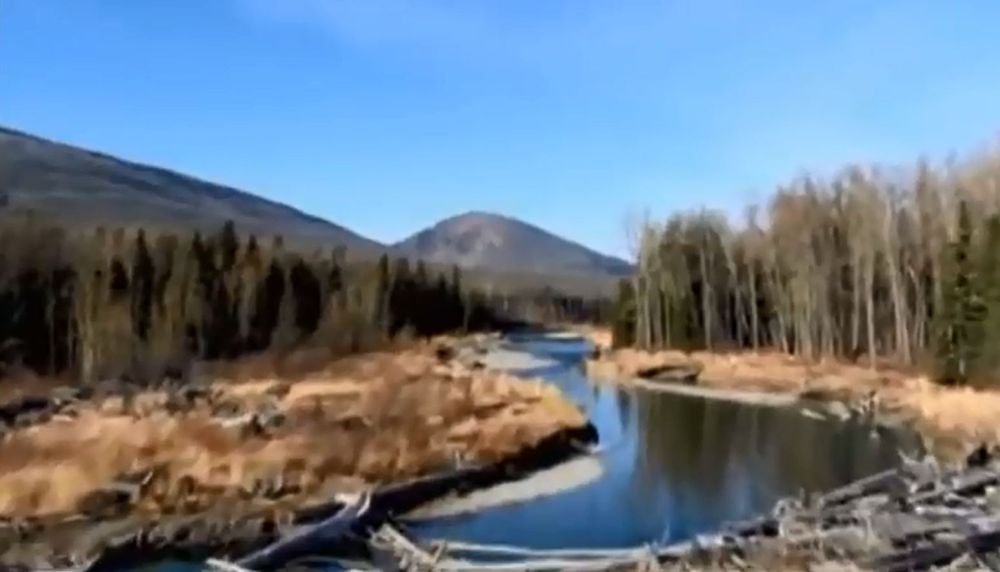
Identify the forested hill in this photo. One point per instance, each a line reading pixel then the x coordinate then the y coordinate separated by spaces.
pixel 77 187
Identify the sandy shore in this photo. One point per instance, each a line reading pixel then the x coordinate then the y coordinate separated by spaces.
pixel 561 478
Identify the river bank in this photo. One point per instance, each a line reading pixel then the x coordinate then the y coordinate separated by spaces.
pixel 119 458
pixel 952 421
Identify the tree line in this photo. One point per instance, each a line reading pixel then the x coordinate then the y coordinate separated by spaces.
pixel 872 263
pixel 114 303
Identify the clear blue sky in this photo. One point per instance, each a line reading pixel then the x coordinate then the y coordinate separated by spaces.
pixel 386 115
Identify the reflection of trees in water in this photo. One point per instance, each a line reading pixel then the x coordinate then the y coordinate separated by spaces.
pixel 723 458
pixel 623 400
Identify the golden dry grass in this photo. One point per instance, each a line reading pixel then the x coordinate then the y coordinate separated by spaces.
pixel 353 422
pixel 951 420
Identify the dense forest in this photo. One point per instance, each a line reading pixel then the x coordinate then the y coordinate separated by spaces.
pixel 873 263
pixel 120 303
pixel 124 304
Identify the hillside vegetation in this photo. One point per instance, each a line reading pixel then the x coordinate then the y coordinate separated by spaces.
pixel 80 190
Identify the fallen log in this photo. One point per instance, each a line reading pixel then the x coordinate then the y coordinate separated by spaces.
pixel 196 538
pixel 308 540
pixel 877 483
pixel 684 373
pixel 937 554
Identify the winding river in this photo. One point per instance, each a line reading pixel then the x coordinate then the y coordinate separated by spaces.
pixel 668 466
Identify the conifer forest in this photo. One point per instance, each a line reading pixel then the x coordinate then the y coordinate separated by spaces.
pixel 123 303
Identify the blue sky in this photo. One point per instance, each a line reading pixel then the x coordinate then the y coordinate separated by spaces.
pixel 386 115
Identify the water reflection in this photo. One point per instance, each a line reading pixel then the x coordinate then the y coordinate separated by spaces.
pixel 675 465
pixel 720 460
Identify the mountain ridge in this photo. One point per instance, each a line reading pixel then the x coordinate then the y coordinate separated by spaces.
pixel 82 188
pixel 77 186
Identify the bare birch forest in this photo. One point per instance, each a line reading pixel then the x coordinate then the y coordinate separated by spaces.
pixel 871 264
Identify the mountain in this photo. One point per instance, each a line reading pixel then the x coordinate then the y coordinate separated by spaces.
pixel 83 188
pixel 496 242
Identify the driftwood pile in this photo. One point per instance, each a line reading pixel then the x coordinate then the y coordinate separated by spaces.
pixel 318 533
pixel 917 517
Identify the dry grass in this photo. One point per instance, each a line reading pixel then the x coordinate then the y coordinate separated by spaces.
pixel 353 422
pixel 951 420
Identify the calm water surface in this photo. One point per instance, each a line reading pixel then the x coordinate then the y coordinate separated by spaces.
pixel 674 465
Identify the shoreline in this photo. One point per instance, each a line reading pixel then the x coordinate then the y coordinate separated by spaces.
pixel 708 391
pixel 422 422
pixel 193 540
pixel 951 421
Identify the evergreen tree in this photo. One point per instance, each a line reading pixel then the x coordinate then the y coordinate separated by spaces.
pixel 989 278
pixel 400 296
pixel 960 326
pixel 307 293
pixel 458 312
pixel 623 328
pixel 143 277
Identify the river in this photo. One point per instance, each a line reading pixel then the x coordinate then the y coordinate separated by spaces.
pixel 667 467
pixel 671 466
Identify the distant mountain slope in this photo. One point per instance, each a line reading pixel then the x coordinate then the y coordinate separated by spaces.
pixel 80 187
pixel 486 240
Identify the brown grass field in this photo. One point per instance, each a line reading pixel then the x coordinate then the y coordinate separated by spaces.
pixel 346 425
